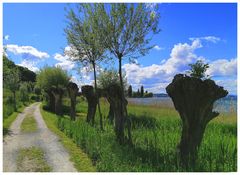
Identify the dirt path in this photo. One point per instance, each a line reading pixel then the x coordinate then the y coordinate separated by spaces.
pixel 56 155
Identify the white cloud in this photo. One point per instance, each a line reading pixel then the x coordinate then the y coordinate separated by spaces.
pixel 229 84
pixel 31 65
pixel 6 37
pixel 222 67
pixel 27 52
pixel 157 76
pixel 181 55
pixel 64 62
pixel 212 39
pixel 158 48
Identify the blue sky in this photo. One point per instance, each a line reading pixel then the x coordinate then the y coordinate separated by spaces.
pixel 34 37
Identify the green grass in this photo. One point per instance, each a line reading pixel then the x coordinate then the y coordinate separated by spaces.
pixel 32 160
pixel 156 133
pixel 8 120
pixel 81 161
pixel 29 124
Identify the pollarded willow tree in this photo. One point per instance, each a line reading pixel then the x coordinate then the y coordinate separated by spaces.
pixel 193 97
pixel 72 92
pixel 84 40
pixel 106 79
pixel 53 80
pixel 126 30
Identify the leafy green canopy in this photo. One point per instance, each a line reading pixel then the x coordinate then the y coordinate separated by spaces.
pixel 12 81
pixel 110 77
pixel 82 35
pixel 126 29
pixel 24 73
pixel 52 77
pixel 198 69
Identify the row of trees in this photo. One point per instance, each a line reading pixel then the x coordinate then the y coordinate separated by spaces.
pixel 18 85
pixel 96 32
pixel 138 94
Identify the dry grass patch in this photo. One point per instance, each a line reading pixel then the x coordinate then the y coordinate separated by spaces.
pixel 32 160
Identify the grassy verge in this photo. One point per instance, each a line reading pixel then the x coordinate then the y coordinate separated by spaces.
pixel 29 124
pixel 81 161
pixel 8 121
pixel 32 160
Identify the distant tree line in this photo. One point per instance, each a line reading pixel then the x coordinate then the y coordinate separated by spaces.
pixel 18 86
pixel 139 93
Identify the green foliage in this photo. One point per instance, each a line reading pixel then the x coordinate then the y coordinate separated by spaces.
pixel 130 91
pixel 126 28
pixel 14 77
pixel 82 35
pixel 12 81
pixel 147 95
pixel 52 77
pixel 110 77
pixel 37 90
pixel 141 94
pixel 24 93
pixel 198 69
pixel 24 73
pixel 7 121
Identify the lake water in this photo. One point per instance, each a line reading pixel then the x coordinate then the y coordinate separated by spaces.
pixel 226 104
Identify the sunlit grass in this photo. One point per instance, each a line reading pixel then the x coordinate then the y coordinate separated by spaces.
pixel 156 132
pixel 81 161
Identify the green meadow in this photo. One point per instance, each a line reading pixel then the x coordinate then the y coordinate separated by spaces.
pixel 156 133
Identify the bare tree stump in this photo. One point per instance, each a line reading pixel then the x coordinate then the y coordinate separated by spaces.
pixel 193 98
pixel 91 97
pixel 73 92
pixel 58 93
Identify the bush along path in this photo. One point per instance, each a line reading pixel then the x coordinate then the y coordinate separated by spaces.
pixel 55 155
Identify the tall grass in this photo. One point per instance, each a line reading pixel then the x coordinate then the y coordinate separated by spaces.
pixel 156 134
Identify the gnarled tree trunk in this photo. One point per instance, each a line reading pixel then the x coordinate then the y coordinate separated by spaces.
pixel 114 97
pixel 51 100
pixel 111 114
pixel 193 98
pixel 57 93
pixel 73 92
pixel 91 97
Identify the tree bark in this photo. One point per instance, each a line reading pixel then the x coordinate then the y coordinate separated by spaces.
pixel 51 101
pixel 73 92
pixel 193 98
pixel 57 92
pixel 88 92
pixel 97 96
pixel 123 108
pixel 114 97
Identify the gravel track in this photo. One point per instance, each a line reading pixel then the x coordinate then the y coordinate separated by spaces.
pixel 56 155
